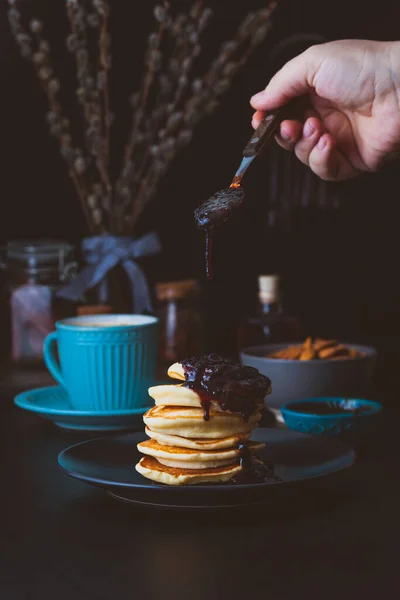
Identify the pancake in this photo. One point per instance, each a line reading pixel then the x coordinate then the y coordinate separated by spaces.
pixel 176 371
pixel 190 423
pixel 187 458
pixel 150 468
pixel 182 464
pixel 177 395
pixel 200 444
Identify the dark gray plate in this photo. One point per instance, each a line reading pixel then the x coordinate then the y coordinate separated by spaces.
pixel 110 463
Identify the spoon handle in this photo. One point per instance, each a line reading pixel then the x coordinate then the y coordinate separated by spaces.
pixel 268 127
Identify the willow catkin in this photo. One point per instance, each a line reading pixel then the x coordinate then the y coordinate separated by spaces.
pixel 173 98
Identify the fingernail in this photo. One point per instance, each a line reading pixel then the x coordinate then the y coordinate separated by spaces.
pixel 322 143
pixel 285 137
pixel 256 96
pixel 308 130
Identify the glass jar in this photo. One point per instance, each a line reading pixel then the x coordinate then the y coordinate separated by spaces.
pixel 181 323
pixel 33 271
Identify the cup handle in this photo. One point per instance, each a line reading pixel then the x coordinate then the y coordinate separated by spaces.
pixel 50 359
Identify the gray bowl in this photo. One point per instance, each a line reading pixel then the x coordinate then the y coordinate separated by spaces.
pixel 294 379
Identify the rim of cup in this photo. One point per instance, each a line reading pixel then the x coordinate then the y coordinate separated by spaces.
pixel 106 321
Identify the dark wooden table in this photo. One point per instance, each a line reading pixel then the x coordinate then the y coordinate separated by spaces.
pixel 64 540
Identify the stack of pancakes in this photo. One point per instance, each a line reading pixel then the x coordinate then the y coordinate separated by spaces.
pixel 184 448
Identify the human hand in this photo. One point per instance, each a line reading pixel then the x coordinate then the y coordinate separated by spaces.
pixel 353 121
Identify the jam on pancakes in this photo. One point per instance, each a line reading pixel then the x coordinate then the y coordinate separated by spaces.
pixel 234 387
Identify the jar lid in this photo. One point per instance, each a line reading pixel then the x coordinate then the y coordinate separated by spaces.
pixel 46 250
pixel 38 255
pixel 174 290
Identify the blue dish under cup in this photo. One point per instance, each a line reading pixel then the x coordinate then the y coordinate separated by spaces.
pixel 106 362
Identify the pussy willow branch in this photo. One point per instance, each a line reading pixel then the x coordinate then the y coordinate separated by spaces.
pixel 170 102
pixel 91 86
pixel 153 58
pixel 102 87
pixel 35 48
pixel 104 60
pixel 165 141
pixel 77 43
pixel 186 50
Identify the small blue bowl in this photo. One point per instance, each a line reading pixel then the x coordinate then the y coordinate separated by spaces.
pixel 330 416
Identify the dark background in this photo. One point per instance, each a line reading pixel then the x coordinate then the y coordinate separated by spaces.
pixel 339 267
pixel 61 540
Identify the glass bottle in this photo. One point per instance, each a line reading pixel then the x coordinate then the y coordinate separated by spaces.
pixel 181 323
pixel 271 325
pixel 33 271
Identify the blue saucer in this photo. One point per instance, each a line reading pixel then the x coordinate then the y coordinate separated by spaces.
pixel 52 403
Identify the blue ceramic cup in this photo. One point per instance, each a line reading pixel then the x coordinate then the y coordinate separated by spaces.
pixel 106 362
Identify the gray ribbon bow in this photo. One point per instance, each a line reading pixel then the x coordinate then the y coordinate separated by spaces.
pixel 104 252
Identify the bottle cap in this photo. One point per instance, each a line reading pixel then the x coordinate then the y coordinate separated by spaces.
pixel 175 290
pixel 268 288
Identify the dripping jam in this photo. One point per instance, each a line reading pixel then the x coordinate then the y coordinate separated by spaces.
pixel 254 468
pixel 217 210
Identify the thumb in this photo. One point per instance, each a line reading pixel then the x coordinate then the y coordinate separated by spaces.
pixel 294 79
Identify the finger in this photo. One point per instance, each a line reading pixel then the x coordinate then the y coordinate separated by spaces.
pixel 294 79
pixel 289 134
pixel 328 162
pixel 257 118
pixel 311 132
pixel 260 114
